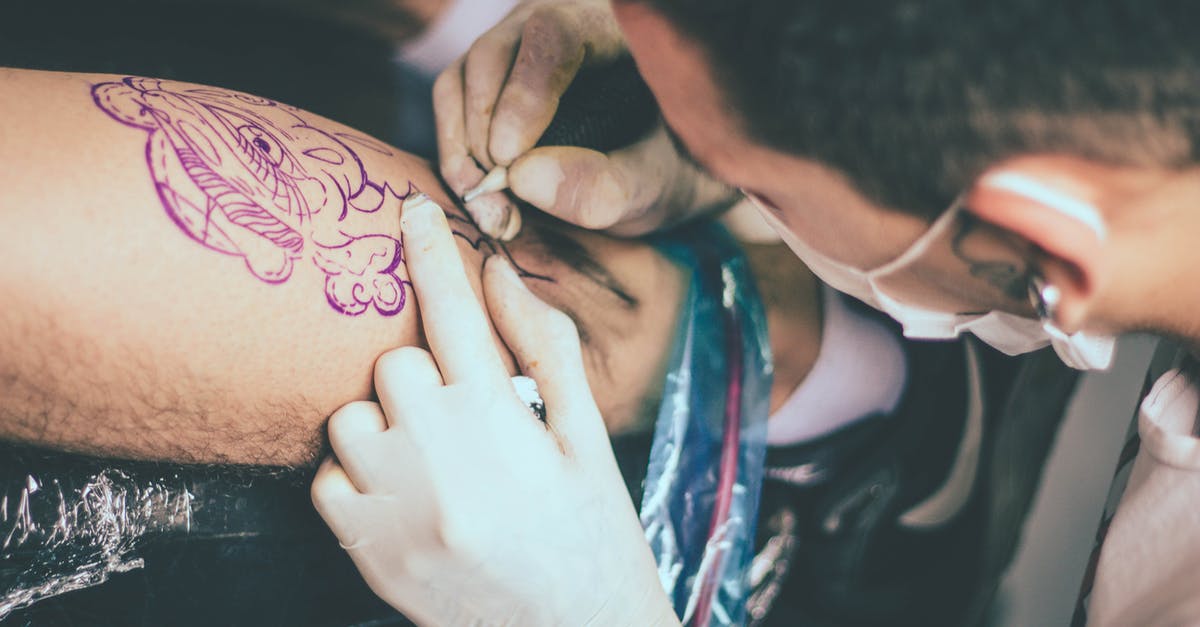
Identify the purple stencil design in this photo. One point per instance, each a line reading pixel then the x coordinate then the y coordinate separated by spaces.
pixel 365 142
pixel 248 177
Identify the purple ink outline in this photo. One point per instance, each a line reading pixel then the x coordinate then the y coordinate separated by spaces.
pixel 246 177
pixel 274 189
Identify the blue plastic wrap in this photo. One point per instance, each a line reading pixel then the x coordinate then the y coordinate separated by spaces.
pixel 700 504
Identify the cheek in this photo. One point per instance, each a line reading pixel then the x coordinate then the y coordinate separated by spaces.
pixel 846 232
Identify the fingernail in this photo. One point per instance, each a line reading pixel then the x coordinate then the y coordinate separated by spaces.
pixel 1024 185
pixel 507 273
pixel 513 226
pixel 536 178
pixel 418 212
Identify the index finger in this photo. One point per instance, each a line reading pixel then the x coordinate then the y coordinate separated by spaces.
pixel 459 334
pixel 458 168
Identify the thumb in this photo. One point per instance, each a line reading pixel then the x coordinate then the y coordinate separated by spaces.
pixel 546 345
pixel 596 190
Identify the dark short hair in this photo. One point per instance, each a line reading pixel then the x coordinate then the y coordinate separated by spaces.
pixel 913 99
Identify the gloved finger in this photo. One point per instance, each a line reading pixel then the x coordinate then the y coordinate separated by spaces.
pixel 550 54
pixel 485 68
pixel 351 430
pixel 458 169
pixel 354 518
pixel 546 344
pixel 592 189
pixel 336 499
pixel 403 375
pixel 459 333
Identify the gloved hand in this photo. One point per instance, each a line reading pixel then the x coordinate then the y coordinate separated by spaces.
pixel 456 503
pixel 489 115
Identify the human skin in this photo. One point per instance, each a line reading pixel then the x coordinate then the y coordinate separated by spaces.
pixel 204 276
pixel 1125 281
pixel 143 322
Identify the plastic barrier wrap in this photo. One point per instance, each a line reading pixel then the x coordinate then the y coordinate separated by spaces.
pixel 71 529
pixel 700 503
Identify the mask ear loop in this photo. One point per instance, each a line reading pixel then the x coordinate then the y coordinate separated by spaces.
pixel 922 244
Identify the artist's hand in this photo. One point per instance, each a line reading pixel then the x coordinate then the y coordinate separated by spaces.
pixel 456 503
pixel 489 114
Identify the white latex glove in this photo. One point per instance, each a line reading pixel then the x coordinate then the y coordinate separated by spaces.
pixel 488 115
pixel 459 506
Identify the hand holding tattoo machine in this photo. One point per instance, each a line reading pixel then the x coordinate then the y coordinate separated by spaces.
pixel 605 108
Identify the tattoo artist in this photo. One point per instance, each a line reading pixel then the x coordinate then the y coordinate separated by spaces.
pixel 1015 172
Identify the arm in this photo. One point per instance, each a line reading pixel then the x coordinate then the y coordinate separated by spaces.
pixel 192 274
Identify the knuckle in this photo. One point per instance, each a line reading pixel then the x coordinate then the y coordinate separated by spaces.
pixel 321 490
pixel 482 58
pixel 351 419
pixel 400 363
pixel 522 102
pixel 459 537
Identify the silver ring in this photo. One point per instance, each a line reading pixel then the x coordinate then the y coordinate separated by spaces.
pixel 527 391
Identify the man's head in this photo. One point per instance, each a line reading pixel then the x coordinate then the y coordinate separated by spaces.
pixel 862 122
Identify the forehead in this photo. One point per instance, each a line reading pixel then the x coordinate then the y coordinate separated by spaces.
pixel 819 201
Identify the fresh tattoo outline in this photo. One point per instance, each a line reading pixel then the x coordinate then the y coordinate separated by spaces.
pixel 250 177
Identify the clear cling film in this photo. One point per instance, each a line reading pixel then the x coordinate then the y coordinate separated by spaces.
pixel 63 531
pixel 700 502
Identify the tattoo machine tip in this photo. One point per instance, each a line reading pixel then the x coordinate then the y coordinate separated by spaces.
pixel 494 181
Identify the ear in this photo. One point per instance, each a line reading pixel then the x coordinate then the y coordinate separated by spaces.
pixel 1052 202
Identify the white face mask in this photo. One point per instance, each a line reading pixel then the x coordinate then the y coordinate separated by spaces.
pixel 1006 332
